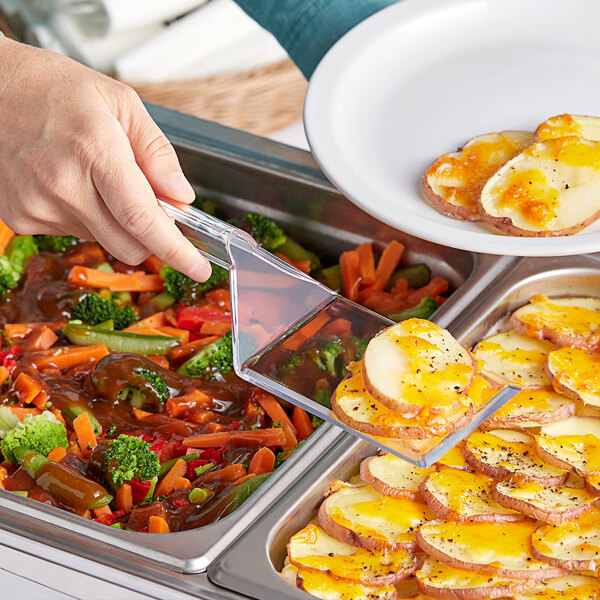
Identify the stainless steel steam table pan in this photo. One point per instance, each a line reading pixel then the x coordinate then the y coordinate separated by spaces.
pixel 251 565
pixel 244 173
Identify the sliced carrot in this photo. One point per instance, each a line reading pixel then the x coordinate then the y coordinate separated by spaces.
pixel 171 317
pixel 220 297
pixel 57 454
pixel 351 279
pixel 3 476
pixel 156 320
pixel 125 497
pixel 115 282
pixel 180 405
pixel 182 483
pixel 21 412
pixel 228 473
pixel 169 331
pixel 277 414
pixel 434 288
pixel 27 388
pixel 6 234
pixel 200 416
pixel 157 525
pixel 154 264
pixel 439 300
pixel 214 328
pixel 161 361
pixel 4 374
pixel 41 338
pixel 313 327
pixel 68 356
pixel 214 428
pixel 86 438
pixel 267 437
pixel 302 423
pixel 387 264
pixel 103 511
pixel 246 477
pixel 58 415
pixel 167 484
pixel 303 265
pixel 339 327
pixel 381 301
pixel 284 258
pixel 185 350
pixel 263 461
pixel 366 263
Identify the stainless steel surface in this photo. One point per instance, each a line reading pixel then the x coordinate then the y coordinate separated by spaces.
pixel 244 173
pixel 267 540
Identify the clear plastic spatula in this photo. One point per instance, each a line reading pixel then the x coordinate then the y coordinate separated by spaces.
pixel 275 308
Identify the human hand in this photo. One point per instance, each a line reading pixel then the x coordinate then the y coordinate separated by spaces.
pixel 80 155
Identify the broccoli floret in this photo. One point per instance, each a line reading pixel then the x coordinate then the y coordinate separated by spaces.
pixel 327 358
pixel 12 262
pixel 289 367
pixel 182 287
pixel 36 432
pixel 55 243
pixel 264 230
pixel 158 386
pixel 316 421
pixel 130 458
pixel 151 389
pixel 9 278
pixel 360 345
pixel 95 309
pixel 213 361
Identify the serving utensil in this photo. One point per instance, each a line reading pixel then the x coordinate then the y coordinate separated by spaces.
pixel 276 308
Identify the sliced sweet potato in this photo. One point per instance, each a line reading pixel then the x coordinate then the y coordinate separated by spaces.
pixel 438 580
pixel 313 550
pixel 453 182
pixel 550 505
pixel 506 454
pixel 563 321
pixel 551 188
pixel 516 357
pixel 328 587
pixel 576 453
pixel 501 549
pixel 392 476
pixel 563 125
pixel 567 587
pixel 362 517
pixel 462 496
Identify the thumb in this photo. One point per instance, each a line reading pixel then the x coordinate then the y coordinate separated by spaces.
pixel 153 152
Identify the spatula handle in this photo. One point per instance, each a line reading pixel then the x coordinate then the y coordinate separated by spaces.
pixel 210 235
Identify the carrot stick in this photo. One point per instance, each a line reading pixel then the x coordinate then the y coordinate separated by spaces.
pixel 125 497
pixel 4 374
pixel 366 263
pixel 161 361
pixel 182 483
pixel 267 437
pixel 263 461
pixel 303 265
pixel 27 388
pixel 155 320
pixel 167 484
pixel 68 356
pixel 387 264
pixel 228 473
pixel 102 511
pixel 246 477
pixel 169 331
pixel 434 288
pixel 6 234
pixel 350 265
pixel 157 525
pixel 214 328
pixel 313 327
pixel 302 423
pixel 154 264
pixel 171 317
pixel 115 282
pixel 185 350
pixel 57 454
pixel 21 412
pixel 86 438
pixel 39 339
pixel 272 407
pixel 220 297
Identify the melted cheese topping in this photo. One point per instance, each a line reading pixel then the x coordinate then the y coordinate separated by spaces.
pixel 465 494
pixel 455 458
pixel 582 452
pixel 504 545
pixel 568 316
pixel 327 587
pixel 568 587
pixel 578 371
pixel 570 150
pixel 559 126
pixel 397 473
pixel 371 515
pixel 529 405
pixel 556 499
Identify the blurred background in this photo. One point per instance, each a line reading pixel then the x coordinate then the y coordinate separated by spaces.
pixel 201 57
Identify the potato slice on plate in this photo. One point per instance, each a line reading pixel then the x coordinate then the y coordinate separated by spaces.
pixel 416 365
pixel 462 496
pixel 362 517
pixel 550 505
pixel 573 546
pixel 506 454
pixel 567 587
pixel 550 188
pixel 392 476
pixel 454 181
pixel 563 125
pixel 438 580
pixel 532 408
pixel 515 357
pixel 313 550
pixel 563 321
pixel 576 374
pixel 328 587
pixel 501 549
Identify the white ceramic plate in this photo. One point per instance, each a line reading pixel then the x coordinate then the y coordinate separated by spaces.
pixel 420 78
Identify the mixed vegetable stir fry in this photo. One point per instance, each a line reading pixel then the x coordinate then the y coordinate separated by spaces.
pixel 118 398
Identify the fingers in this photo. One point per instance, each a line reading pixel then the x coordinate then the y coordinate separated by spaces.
pixel 153 152
pixel 132 203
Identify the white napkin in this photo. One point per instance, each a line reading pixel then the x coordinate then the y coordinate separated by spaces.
pixel 98 53
pixel 104 17
pixel 184 44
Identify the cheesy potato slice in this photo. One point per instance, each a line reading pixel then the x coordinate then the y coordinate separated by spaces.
pixel 567 587
pixel 564 125
pixel 328 587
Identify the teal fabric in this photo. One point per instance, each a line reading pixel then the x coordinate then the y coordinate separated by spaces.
pixel 308 28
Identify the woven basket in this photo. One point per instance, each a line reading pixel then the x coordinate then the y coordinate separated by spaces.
pixel 259 100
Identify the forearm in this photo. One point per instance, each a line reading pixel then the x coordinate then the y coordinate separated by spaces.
pixel 308 28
